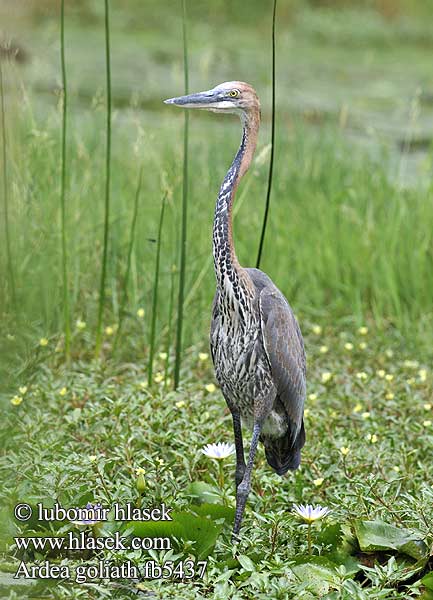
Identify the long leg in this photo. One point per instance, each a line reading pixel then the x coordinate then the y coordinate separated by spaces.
pixel 239 444
pixel 245 485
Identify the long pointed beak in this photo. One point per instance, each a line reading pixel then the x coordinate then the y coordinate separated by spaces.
pixel 199 100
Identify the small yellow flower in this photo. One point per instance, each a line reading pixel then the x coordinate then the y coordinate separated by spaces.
pixel 160 461
pixel 109 330
pixel 389 396
pixel 63 391
pixel 323 349
pixel 312 397
pixel 410 381
pixel 344 450
pixel 389 377
pixel 333 414
pixel 93 458
pixel 140 313
pixel 318 482
pixel 357 408
pixel 43 342
pixel 361 375
pixel 396 469
pixel 140 471
pixel 306 412
pixel 163 355
pixel 389 353
pixel 203 356
pixel 22 390
pixel 79 324
pixel 365 415
pixel 422 374
pixel 372 438
pixel 363 330
pixel 427 423
pixel 326 377
pixel 158 377
pixel 143 384
pixel 381 373
pixel 210 387
pixel 362 345
pixel 16 400
pixel 427 406
pixel 348 346
pixel 317 330
pixel 180 404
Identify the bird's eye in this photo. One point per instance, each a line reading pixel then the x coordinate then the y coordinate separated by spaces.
pixel 234 93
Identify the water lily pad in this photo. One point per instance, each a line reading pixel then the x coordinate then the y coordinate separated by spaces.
pixel 317 573
pixel 202 492
pixel 377 535
pixel 215 511
pixel 186 527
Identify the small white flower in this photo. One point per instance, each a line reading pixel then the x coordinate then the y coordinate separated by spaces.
pixel 309 513
pixel 219 451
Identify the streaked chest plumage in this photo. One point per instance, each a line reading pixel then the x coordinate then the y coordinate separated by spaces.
pixel 241 366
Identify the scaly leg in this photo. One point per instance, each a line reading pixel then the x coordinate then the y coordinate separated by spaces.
pixel 244 487
pixel 239 444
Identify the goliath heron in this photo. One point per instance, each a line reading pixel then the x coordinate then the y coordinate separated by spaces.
pixel 256 344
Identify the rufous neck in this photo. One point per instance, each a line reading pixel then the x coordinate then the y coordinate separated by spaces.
pixel 225 259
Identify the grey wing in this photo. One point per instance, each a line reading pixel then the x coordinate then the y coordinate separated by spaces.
pixel 284 348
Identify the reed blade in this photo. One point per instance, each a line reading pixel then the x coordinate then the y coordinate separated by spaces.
pixel 65 278
pixel 6 196
pixel 183 240
pixel 107 183
pixel 128 260
pixel 271 160
pixel 155 294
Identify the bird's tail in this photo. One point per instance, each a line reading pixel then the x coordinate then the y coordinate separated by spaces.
pixel 284 454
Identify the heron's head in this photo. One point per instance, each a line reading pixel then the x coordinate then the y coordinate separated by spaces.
pixel 230 97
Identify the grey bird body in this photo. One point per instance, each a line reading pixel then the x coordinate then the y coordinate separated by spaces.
pixel 255 340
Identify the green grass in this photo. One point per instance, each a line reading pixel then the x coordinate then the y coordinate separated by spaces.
pixel 377 403
pixel 343 240
pixel 346 242
pixel 341 234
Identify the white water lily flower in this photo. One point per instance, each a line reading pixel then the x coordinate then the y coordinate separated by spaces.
pixel 309 513
pixel 219 451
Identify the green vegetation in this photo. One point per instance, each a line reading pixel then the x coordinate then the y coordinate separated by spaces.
pixel 82 432
pixel 349 241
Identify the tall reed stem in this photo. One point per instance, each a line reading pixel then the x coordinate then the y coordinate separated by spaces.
pixel 66 308
pixel 6 196
pixel 107 183
pixel 169 322
pixel 155 294
pixel 128 261
pixel 271 161
pixel 178 356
